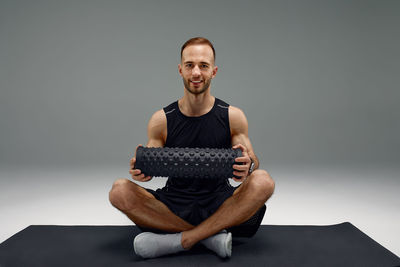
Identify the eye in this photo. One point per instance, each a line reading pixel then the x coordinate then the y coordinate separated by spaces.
pixel 204 66
pixel 188 65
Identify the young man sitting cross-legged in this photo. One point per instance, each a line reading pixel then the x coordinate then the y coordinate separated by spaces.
pixel 188 211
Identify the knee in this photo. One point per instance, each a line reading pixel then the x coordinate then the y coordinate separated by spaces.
pixel 262 184
pixel 121 194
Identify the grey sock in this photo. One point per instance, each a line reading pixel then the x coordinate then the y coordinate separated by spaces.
pixel 150 245
pixel 220 243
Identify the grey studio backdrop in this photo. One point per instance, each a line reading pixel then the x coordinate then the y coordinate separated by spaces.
pixel 317 80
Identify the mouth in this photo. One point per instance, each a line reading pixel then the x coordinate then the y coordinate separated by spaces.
pixel 196 82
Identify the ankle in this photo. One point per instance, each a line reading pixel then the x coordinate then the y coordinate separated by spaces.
pixel 188 241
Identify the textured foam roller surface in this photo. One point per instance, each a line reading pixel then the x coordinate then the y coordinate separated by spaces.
pixel 186 162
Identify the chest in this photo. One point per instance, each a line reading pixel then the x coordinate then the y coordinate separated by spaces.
pixel 213 133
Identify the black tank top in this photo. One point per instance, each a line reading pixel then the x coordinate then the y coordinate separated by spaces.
pixel 210 130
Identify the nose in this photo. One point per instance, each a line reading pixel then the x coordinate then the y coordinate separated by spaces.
pixel 196 71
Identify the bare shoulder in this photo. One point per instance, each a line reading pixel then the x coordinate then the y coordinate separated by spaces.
pixel 237 120
pixel 158 117
pixel 157 127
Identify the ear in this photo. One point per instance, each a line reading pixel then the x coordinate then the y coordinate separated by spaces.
pixel 180 69
pixel 215 70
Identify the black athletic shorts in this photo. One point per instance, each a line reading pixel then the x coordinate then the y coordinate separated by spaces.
pixel 195 209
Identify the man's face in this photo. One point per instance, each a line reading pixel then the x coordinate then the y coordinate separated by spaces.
pixel 197 68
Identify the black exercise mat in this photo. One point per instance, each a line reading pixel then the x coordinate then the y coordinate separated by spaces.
pixel 336 245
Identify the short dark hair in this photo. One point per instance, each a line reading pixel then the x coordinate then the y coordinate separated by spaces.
pixel 198 41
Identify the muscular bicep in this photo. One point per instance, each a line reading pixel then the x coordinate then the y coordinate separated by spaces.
pixel 157 130
pixel 239 131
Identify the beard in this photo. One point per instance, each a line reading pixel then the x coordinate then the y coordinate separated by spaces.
pixel 199 90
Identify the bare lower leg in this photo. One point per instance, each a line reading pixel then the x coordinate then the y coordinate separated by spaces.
pixel 154 214
pixel 144 209
pixel 234 211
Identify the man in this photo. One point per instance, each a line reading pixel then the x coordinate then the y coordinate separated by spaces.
pixel 188 211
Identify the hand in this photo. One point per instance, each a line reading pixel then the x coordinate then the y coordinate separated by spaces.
pixel 137 173
pixel 241 171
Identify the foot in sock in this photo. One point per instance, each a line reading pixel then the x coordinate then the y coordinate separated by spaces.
pixel 150 245
pixel 220 243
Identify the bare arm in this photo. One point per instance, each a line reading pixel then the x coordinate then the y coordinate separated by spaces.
pixel 157 129
pixel 157 134
pixel 240 139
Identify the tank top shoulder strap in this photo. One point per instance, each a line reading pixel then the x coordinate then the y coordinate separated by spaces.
pixel 171 109
pixel 222 105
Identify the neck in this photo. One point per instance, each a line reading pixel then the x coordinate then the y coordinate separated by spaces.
pixel 196 105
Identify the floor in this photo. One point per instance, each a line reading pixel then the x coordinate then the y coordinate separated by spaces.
pixel 366 196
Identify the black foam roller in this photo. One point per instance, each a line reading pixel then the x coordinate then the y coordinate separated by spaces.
pixel 187 162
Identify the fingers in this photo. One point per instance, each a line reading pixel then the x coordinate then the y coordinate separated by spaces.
pixel 243 159
pixel 143 178
pixel 241 168
pixel 147 178
pixel 139 176
pixel 245 163
pixel 241 171
pixel 137 173
pixel 241 147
